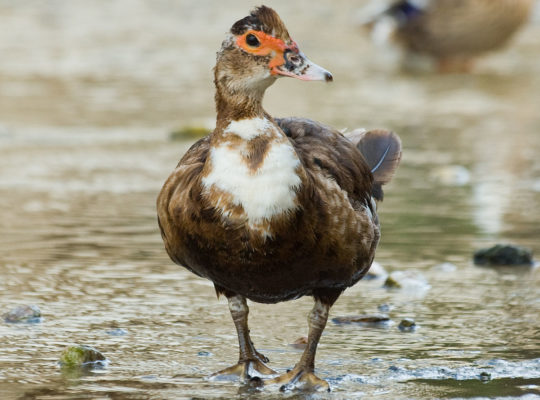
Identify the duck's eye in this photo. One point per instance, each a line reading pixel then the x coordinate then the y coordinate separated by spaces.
pixel 252 40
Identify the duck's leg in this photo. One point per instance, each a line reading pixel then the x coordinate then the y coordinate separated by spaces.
pixel 302 376
pixel 251 362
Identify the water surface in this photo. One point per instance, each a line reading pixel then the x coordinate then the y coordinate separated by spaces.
pixel 88 94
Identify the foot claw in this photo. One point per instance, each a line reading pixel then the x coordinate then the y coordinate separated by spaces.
pixel 261 357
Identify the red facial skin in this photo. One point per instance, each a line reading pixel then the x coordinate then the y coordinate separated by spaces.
pixel 268 45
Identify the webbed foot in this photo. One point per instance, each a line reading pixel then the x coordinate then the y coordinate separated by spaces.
pixel 299 379
pixel 245 370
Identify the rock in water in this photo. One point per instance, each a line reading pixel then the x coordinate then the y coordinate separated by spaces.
pixel 484 376
pixel 407 280
pixel 503 255
pixel 391 283
pixel 23 314
pixel 385 307
pixel 81 356
pixel 407 325
pixel 116 332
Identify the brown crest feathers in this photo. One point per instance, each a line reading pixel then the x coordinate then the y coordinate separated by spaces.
pixel 382 151
pixel 262 19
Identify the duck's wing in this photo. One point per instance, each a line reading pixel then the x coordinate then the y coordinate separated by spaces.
pixel 360 161
pixel 323 149
pixel 197 153
pixel 182 191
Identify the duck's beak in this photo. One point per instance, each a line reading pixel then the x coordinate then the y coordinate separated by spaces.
pixel 297 65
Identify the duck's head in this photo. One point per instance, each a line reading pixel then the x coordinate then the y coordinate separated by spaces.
pixel 258 50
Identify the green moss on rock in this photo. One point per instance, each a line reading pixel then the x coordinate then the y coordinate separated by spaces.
pixel 407 325
pixel 80 356
pixel 391 283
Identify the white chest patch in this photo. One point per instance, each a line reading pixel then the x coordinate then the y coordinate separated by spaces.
pixel 263 193
pixel 247 129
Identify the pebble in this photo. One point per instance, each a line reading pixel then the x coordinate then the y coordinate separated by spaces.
pixel 407 325
pixel 385 307
pixel 116 332
pixel 408 280
pixel 503 255
pixel 484 376
pixel 29 314
pixel 82 356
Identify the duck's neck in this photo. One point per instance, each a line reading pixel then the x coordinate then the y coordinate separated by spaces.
pixel 236 101
pixel 238 106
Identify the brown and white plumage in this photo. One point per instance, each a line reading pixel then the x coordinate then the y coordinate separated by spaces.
pixel 272 210
pixel 453 32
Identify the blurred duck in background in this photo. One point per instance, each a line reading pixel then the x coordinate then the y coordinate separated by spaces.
pixel 452 32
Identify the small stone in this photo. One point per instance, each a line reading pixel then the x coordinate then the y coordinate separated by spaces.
pixel 385 307
pixel 204 353
pixel 300 343
pixel 503 255
pixel 391 283
pixel 484 376
pixel 116 332
pixel 375 320
pixel 407 325
pixel 23 314
pixel 82 356
pixel 410 281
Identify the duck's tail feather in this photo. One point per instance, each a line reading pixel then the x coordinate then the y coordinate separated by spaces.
pixel 382 150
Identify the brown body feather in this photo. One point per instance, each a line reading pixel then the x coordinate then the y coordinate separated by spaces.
pixel 328 242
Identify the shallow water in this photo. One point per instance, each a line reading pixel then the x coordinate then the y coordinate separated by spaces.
pixel 88 93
